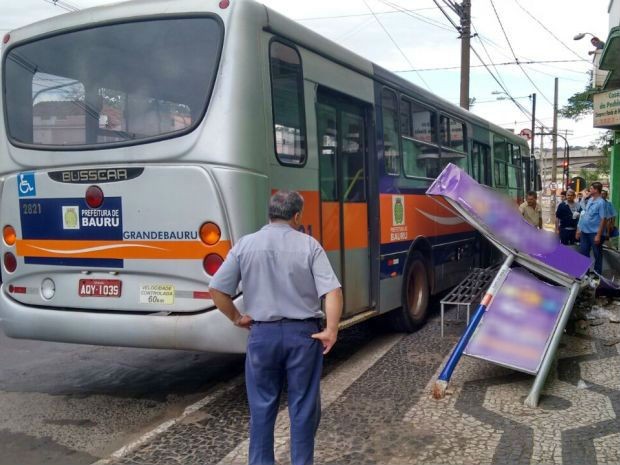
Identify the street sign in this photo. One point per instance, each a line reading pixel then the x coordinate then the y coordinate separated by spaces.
pixel 526 133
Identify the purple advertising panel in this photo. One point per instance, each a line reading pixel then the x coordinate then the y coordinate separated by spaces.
pixel 495 215
pixel 519 322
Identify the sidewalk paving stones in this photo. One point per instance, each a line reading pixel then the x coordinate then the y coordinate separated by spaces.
pixel 377 408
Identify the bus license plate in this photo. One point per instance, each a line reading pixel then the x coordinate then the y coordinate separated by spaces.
pixel 99 288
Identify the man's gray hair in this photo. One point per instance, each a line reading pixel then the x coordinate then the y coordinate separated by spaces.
pixel 283 205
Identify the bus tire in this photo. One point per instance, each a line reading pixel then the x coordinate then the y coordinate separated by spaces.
pixel 415 296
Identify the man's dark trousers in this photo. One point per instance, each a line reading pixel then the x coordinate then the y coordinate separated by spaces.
pixel 586 243
pixel 279 351
pixel 567 236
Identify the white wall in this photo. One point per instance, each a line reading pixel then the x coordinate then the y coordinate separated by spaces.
pixel 614 13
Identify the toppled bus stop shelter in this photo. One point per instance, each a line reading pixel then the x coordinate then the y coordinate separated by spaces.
pixel 522 316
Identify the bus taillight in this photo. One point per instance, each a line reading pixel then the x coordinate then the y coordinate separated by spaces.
pixel 6 38
pixel 94 196
pixel 224 4
pixel 10 262
pixel 212 263
pixel 210 233
pixel 8 233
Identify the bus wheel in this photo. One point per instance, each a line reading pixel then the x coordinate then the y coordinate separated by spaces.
pixel 415 296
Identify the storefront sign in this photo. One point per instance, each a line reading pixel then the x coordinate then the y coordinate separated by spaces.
pixel 607 110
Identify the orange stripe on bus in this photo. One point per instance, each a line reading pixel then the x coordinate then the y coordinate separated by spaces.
pixel 355 225
pixel 355 221
pixel 421 216
pixel 331 225
pixel 164 250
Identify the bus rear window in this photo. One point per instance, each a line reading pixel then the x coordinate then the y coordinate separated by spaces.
pixel 113 84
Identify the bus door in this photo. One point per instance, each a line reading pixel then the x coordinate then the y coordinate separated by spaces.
pixel 343 178
pixel 481 163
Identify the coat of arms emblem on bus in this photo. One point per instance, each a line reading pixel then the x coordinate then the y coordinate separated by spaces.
pixel 70 217
pixel 398 210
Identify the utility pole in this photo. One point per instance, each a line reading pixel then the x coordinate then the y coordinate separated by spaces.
pixel 554 150
pixel 463 10
pixel 543 171
pixel 465 14
pixel 533 96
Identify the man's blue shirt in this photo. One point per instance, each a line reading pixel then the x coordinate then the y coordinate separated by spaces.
pixel 591 217
pixel 611 211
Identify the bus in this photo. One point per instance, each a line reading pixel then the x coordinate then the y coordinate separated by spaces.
pixel 141 140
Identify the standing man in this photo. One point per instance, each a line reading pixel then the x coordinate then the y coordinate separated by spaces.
pixel 531 211
pixel 284 273
pixel 567 216
pixel 591 225
pixel 611 216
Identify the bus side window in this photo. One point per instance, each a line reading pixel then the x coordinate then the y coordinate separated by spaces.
pixel 420 152
pixel 328 144
pixel 391 151
pixel 354 178
pixel 452 140
pixel 288 104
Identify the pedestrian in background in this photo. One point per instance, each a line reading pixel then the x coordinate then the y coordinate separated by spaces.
pixel 611 231
pixel 531 211
pixel 284 274
pixel 591 225
pixel 567 217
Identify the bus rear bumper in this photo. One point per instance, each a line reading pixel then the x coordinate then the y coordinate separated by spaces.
pixel 208 331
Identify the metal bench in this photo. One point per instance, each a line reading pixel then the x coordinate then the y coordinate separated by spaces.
pixel 468 292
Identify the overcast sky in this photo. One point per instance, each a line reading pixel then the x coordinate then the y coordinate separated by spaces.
pixel 405 35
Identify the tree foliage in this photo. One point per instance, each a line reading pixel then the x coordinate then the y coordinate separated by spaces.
pixel 579 105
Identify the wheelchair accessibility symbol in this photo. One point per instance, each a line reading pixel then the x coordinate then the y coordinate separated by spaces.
pixel 26 185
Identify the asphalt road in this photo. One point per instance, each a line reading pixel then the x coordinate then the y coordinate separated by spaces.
pixel 66 404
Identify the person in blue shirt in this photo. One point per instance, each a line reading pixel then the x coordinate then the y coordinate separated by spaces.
pixel 590 229
pixel 610 229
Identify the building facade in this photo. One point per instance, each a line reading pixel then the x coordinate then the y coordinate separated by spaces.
pixel 607 100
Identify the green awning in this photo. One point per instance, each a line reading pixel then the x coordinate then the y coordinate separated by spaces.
pixel 610 59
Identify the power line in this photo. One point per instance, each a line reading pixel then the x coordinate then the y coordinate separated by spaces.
pixel 507 63
pixel 496 100
pixel 517 104
pixel 487 52
pixel 419 17
pixel 63 4
pixel 394 42
pixel 457 27
pixel 452 5
pixel 502 52
pixel 354 30
pixel 318 18
pixel 515 55
pixel 552 34
pixel 70 4
pixel 555 75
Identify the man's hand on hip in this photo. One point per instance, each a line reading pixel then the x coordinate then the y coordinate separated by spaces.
pixel 244 321
pixel 328 338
